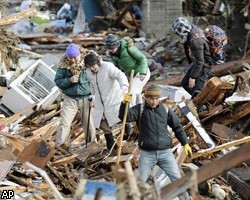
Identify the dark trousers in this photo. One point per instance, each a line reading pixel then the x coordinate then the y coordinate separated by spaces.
pixel 199 81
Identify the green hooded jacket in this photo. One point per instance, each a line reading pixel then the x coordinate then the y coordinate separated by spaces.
pixel 130 58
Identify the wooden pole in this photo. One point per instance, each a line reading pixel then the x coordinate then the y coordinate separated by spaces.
pixel 135 192
pixel 26 51
pixel 135 22
pixel 124 119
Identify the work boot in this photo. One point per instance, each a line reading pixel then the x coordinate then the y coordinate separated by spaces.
pixel 109 140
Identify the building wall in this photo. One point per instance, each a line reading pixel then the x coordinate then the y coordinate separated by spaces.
pixel 158 16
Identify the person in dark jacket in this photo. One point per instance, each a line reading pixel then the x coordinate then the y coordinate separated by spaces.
pixel 71 78
pixel 197 53
pixel 154 139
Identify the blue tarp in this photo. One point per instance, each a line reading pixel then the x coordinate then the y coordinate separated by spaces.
pixel 91 9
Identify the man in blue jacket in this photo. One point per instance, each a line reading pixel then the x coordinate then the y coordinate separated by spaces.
pixel 71 78
pixel 154 139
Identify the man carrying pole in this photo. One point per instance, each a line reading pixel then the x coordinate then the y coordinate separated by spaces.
pixel 154 139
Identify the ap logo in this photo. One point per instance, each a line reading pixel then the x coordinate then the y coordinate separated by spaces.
pixel 7 194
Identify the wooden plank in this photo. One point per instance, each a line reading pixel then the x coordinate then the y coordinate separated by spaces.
pixel 215 111
pixel 212 169
pixel 2 90
pixel 16 137
pixel 12 19
pixel 85 152
pixel 238 185
pixel 134 190
pixel 134 21
pixel 223 146
pixel 181 157
pixel 223 131
pixel 39 133
pixel 26 51
pixel 242 173
pixel 70 176
pixel 31 155
pixel 237 114
pixel 123 158
pixel 17 146
pixel 209 91
pixel 196 124
pixel 45 117
pixel 61 178
pixel 37 35
pixel 15 117
pixel 22 181
pixel 64 160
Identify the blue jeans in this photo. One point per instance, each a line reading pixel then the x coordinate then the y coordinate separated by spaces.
pixel 164 159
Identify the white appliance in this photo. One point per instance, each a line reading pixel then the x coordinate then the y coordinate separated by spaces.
pixel 174 93
pixel 34 85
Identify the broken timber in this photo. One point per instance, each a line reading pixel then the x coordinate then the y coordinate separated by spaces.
pixel 237 114
pixel 197 126
pixel 209 91
pixel 12 19
pixel 237 184
pixel 30 153
pixel 223 146
pixel 124 12
pixel 217 70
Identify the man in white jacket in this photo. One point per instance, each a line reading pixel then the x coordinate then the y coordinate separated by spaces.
pixel 108 84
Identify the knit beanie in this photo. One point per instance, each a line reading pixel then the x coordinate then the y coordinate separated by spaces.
pixel 112 41
pixel 72 51
pixel 153 90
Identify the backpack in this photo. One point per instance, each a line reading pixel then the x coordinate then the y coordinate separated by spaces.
pixel 217 39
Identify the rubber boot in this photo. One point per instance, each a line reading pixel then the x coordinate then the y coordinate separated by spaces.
pixel 109 140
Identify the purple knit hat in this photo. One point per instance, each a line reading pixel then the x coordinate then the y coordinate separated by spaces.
pixel 72 51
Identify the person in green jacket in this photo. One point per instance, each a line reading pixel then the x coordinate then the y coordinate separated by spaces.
pixel 71 78
pixel 126 57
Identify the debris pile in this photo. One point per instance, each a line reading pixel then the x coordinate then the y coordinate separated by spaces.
pixel 217 120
